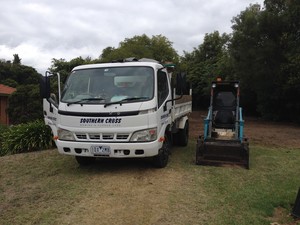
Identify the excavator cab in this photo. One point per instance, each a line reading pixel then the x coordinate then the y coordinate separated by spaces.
pixel 223 141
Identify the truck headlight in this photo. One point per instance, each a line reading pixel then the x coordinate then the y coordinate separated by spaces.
pixel 144 135
pixel 65 135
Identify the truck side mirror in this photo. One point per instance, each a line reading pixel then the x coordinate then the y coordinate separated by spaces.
pixel 45 87
pixel 181 84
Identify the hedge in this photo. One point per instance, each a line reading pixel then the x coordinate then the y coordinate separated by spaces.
pixel 27 137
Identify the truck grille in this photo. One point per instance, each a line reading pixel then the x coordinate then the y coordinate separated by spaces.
pixel 81 136
pixel 102 137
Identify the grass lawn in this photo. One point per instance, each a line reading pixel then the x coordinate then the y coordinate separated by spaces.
pixel 48 188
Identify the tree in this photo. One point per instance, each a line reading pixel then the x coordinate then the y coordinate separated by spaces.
pixel 205 63
pixel 245 52
pixel 162 49
pixel 106 52
pixel 17 60
pixel 64 68
pixel 291 67
pixel 10 82
pixel 265 51
pixel 25 104
pixel 158 47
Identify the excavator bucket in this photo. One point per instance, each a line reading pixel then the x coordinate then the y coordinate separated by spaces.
pixel 220 152
pixel 223 141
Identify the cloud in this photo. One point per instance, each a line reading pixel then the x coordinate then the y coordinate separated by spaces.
pixel 39 30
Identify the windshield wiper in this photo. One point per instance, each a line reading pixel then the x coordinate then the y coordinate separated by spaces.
pixel 125 100
pixel 83 100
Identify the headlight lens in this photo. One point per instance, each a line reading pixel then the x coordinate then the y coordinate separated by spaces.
pixel 144 135
pixel 65 135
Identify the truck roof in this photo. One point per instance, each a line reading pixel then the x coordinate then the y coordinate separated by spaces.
pixel 119 64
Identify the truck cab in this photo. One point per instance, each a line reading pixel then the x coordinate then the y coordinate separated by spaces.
pixel 123 109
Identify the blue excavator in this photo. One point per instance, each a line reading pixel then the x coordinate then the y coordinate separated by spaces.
pixel 223 141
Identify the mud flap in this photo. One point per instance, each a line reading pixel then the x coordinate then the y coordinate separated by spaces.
pixel 219 152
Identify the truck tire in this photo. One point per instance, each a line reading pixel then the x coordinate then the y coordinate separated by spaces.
pixel 85 161
pixel 161 160
pixel 183 135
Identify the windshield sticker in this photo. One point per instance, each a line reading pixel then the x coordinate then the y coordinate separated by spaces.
pixel 103 121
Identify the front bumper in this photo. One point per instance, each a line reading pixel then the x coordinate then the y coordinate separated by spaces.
pixel 117 150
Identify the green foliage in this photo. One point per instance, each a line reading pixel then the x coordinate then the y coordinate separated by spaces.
pixel 64 67
pixel 291 65
pixel 158 47
pixel 25 137
pixel 10 82
pixel 19 73
pixel 3 129
pixel 207 62
pixel 17 59
pixel 25 104
pixel 265 53
pixel 245 51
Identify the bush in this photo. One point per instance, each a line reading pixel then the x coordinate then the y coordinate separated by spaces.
pixel 25 137
pixel 3 129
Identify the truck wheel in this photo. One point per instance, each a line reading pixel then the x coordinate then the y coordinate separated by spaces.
pixel 84 161
pixel 183 135
pixel 161 160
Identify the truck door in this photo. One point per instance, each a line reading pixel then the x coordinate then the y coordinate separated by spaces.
pixel 163 92
pixel 50 95
pixel 50 109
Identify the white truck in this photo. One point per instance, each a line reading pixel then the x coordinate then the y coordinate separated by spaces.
pixel 124 109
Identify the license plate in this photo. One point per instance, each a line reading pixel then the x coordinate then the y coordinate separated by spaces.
pixel 100 150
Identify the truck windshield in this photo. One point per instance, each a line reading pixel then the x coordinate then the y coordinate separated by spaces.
pixel 105 85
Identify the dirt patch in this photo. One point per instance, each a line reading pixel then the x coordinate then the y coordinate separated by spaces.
pixel 258 132
pixel 283 217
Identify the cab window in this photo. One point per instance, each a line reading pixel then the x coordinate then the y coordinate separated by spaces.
pixel 162 87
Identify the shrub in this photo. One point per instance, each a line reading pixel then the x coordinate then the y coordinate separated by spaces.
pixel 3 129
pixel 26 137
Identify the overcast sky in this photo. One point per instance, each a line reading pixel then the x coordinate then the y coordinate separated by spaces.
pixel 39 30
